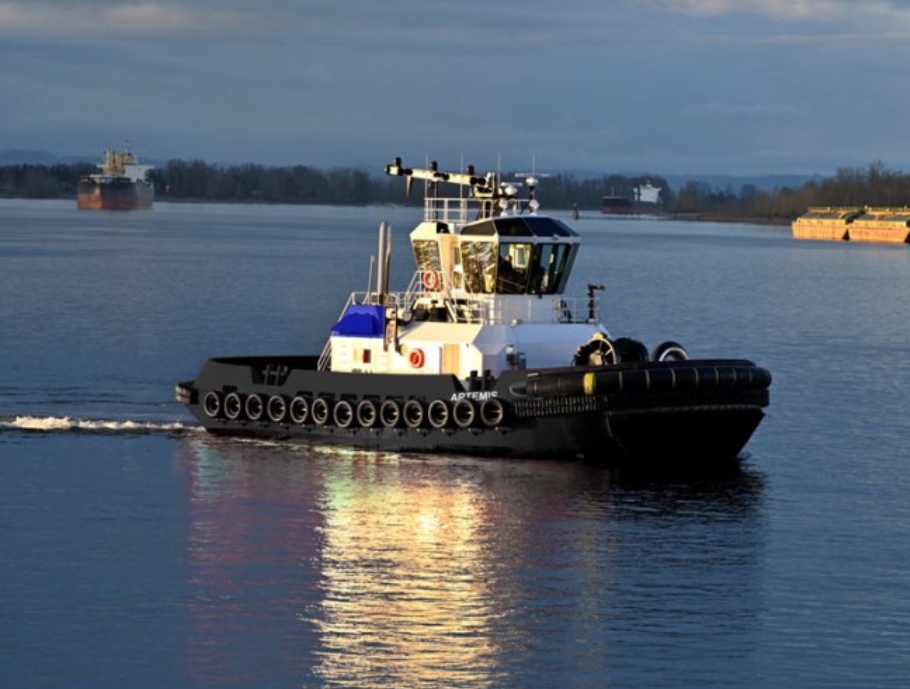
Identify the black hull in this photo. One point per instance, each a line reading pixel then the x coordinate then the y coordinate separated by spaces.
pixel 688 414
pixel 624 206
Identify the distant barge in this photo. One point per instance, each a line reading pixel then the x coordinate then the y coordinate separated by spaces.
pixel 855 224
pixel 122 185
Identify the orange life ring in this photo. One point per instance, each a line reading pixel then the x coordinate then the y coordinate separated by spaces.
pixel 416 358
pixel 431 279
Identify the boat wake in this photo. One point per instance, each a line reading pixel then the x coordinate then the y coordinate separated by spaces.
pixel 64 424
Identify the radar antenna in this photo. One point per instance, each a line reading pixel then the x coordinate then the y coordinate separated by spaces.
pixel 531 180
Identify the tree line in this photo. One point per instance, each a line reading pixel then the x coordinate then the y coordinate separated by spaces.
pixel 874 185
pixel 195 180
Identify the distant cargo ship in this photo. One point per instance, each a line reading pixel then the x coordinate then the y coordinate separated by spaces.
pixel 644 200
pixel 123 184
pixel 854 224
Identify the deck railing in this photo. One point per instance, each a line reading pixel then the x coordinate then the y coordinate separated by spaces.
pixel 493 309
pixel 457 210
pixel 477 309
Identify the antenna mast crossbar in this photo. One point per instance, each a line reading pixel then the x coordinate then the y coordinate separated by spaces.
pixel 481 187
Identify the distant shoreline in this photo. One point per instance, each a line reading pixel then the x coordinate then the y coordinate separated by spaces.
pixel 720 218
pixel 681 217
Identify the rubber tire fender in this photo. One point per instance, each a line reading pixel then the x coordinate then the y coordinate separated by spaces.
pixel 343 414
pixel 492 412
pixel 438 413
pixel 390 413
pixel 277 408
pixel 367 414
pixel 464 413
pixel 299 410
pixel 233 406
pixel 254 407
pixel 320 411
pixel 630 350
pixel 413 413
pixel 669 351
pixel 211 404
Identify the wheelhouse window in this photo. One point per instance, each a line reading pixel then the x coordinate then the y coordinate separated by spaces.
pixel 478 260
pixel 512 269
pixel 426 255
pixel 548 268
pixel 532 268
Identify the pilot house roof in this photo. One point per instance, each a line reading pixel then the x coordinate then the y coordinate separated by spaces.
pixel 519 226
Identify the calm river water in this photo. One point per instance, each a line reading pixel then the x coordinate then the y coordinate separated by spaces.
pixel 139 552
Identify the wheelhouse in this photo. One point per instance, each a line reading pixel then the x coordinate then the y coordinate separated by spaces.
pixel 506 255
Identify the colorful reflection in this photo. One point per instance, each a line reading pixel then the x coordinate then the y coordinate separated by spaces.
pixel 408 597
pixel 251 543
pixel 319 568
pixel 336 565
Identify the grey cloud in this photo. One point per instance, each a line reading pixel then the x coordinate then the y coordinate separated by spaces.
pixel 629 84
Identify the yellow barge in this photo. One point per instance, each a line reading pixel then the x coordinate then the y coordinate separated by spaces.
pixel 884 225
pixel 855 224
pixel 825 223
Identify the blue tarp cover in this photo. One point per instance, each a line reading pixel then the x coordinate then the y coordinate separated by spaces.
pixel 360 320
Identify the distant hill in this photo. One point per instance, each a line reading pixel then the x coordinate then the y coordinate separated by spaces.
pixel 23 157
pixel 27 157
pixel 766 183
pixel 737 182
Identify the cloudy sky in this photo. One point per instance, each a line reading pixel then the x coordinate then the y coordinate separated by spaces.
pixel 659 86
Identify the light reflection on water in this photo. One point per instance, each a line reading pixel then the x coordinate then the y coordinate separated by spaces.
pixel 377 570
pixel 407 586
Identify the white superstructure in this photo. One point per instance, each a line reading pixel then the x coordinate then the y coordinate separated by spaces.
pixel 487 296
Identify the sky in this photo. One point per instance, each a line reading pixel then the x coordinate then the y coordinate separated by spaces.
pixel 738 87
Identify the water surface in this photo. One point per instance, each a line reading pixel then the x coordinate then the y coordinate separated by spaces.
pixel 140 552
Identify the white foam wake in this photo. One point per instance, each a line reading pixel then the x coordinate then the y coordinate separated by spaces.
pixel 65 423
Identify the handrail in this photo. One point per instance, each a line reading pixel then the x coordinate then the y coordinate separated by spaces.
pixel 325 357
pixel 456 210
pixel 487 308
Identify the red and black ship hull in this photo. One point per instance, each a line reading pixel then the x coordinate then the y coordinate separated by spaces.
pixel 118 195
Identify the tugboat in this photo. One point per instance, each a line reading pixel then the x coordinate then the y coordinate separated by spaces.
pixel 484 354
